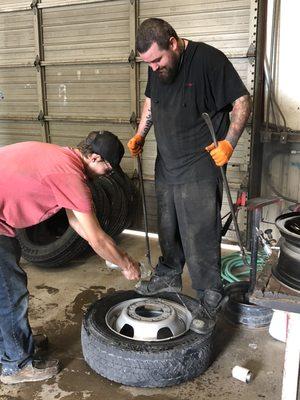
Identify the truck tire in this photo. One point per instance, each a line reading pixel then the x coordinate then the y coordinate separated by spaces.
pixel 53 243
pixel 142 363
pixel 55 253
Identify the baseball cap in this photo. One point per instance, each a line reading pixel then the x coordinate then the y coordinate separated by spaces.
pixel 109 147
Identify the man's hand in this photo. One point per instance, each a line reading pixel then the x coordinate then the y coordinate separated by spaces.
pixel 136 144
pixel 222 153
pixel 132 270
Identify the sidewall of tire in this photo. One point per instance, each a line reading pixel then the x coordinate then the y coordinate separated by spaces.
pixel 57 253
pixel 138 363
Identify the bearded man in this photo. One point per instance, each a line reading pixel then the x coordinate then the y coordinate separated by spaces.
pixel 186 79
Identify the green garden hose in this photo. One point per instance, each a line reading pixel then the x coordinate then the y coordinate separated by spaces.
pixel 234 270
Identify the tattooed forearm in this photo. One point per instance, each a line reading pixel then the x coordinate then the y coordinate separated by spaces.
pixel 239 117
pixel 146 118
pixel 148 123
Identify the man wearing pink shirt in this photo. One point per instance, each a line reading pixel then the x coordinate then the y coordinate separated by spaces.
pixel 36 181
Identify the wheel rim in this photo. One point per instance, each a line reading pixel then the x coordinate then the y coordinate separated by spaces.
pixel 149 319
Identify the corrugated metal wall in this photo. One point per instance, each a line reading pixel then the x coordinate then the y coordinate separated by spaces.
pixel 66 63
pixel 18 84
pixel 82 79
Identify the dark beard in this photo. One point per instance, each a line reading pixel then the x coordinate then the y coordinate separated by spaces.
pixel 170 73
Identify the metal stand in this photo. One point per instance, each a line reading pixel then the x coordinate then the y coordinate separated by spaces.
pixel 255 206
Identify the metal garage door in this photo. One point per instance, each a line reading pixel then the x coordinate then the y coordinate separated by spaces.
pixel 19 105
pixel 69 66
pixel 64 70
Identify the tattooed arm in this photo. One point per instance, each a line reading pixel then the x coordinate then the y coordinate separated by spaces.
pixel 146 119
pixel 136 143
pixel 239 117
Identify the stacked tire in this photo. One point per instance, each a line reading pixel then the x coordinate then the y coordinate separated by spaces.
pixel 53 242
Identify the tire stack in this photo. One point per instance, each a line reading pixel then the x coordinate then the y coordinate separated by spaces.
pixel 53 242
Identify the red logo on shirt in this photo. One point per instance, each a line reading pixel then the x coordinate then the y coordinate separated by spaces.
pixel 189 84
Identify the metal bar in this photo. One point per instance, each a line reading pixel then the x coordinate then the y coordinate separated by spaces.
pixel 17 65
pixel 255 222
pixel 140 170
pixel 17 118
pixel 270 64
pixel 133 69
pixel 8 9
pixel 70 3
pixel 86 119
pixel 256 147
pixel 293 137
pixel 208 122
pixel 40 73
pixel 8 117
pixel 256 150
pixel 117 60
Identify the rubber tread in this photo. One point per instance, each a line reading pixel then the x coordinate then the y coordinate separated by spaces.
pixel 142 364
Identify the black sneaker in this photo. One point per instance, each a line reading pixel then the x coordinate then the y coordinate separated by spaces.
pixel 209 306
pixel 36 371
pixel 159 284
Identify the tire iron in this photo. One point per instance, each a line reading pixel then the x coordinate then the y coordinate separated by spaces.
pixel 209 124
pixel 146 271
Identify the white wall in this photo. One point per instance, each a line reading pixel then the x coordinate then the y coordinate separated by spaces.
pixel 285 167
pixel 287 83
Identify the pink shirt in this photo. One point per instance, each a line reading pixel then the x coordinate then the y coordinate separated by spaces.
pixel 36 181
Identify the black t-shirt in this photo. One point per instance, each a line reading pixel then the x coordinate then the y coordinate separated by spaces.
pixel 206 82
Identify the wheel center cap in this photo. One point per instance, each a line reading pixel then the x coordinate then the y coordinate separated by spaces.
pixel 150 310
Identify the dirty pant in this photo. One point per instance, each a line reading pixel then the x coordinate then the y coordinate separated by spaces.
pixel 16 341
pixel 189 228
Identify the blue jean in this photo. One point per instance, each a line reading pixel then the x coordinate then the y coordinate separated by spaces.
pixel 16 341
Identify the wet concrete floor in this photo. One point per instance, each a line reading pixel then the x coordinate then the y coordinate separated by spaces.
pixel 58 300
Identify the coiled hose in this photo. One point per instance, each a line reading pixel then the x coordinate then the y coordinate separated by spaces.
pixel 234 270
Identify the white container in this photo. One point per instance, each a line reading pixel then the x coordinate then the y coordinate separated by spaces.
pixel 242 374
pixel 278 325
pixel 111 265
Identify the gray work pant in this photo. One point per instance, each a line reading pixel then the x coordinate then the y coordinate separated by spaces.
pixel 189 227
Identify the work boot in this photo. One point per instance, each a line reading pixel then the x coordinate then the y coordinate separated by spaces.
pixel 41 343
pixel 38 370
pixel 210 304
pixel 159 284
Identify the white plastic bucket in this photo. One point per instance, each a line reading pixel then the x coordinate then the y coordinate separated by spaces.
pixel 278 325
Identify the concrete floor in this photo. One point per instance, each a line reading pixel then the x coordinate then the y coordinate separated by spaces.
pixel 59 298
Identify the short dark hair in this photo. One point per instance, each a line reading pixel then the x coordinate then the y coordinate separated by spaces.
pixel 154 30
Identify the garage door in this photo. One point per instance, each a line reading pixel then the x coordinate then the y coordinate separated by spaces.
pixel 68 67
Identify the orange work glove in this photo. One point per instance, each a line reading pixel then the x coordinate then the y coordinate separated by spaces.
pixel 222 153
pixel 136 144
